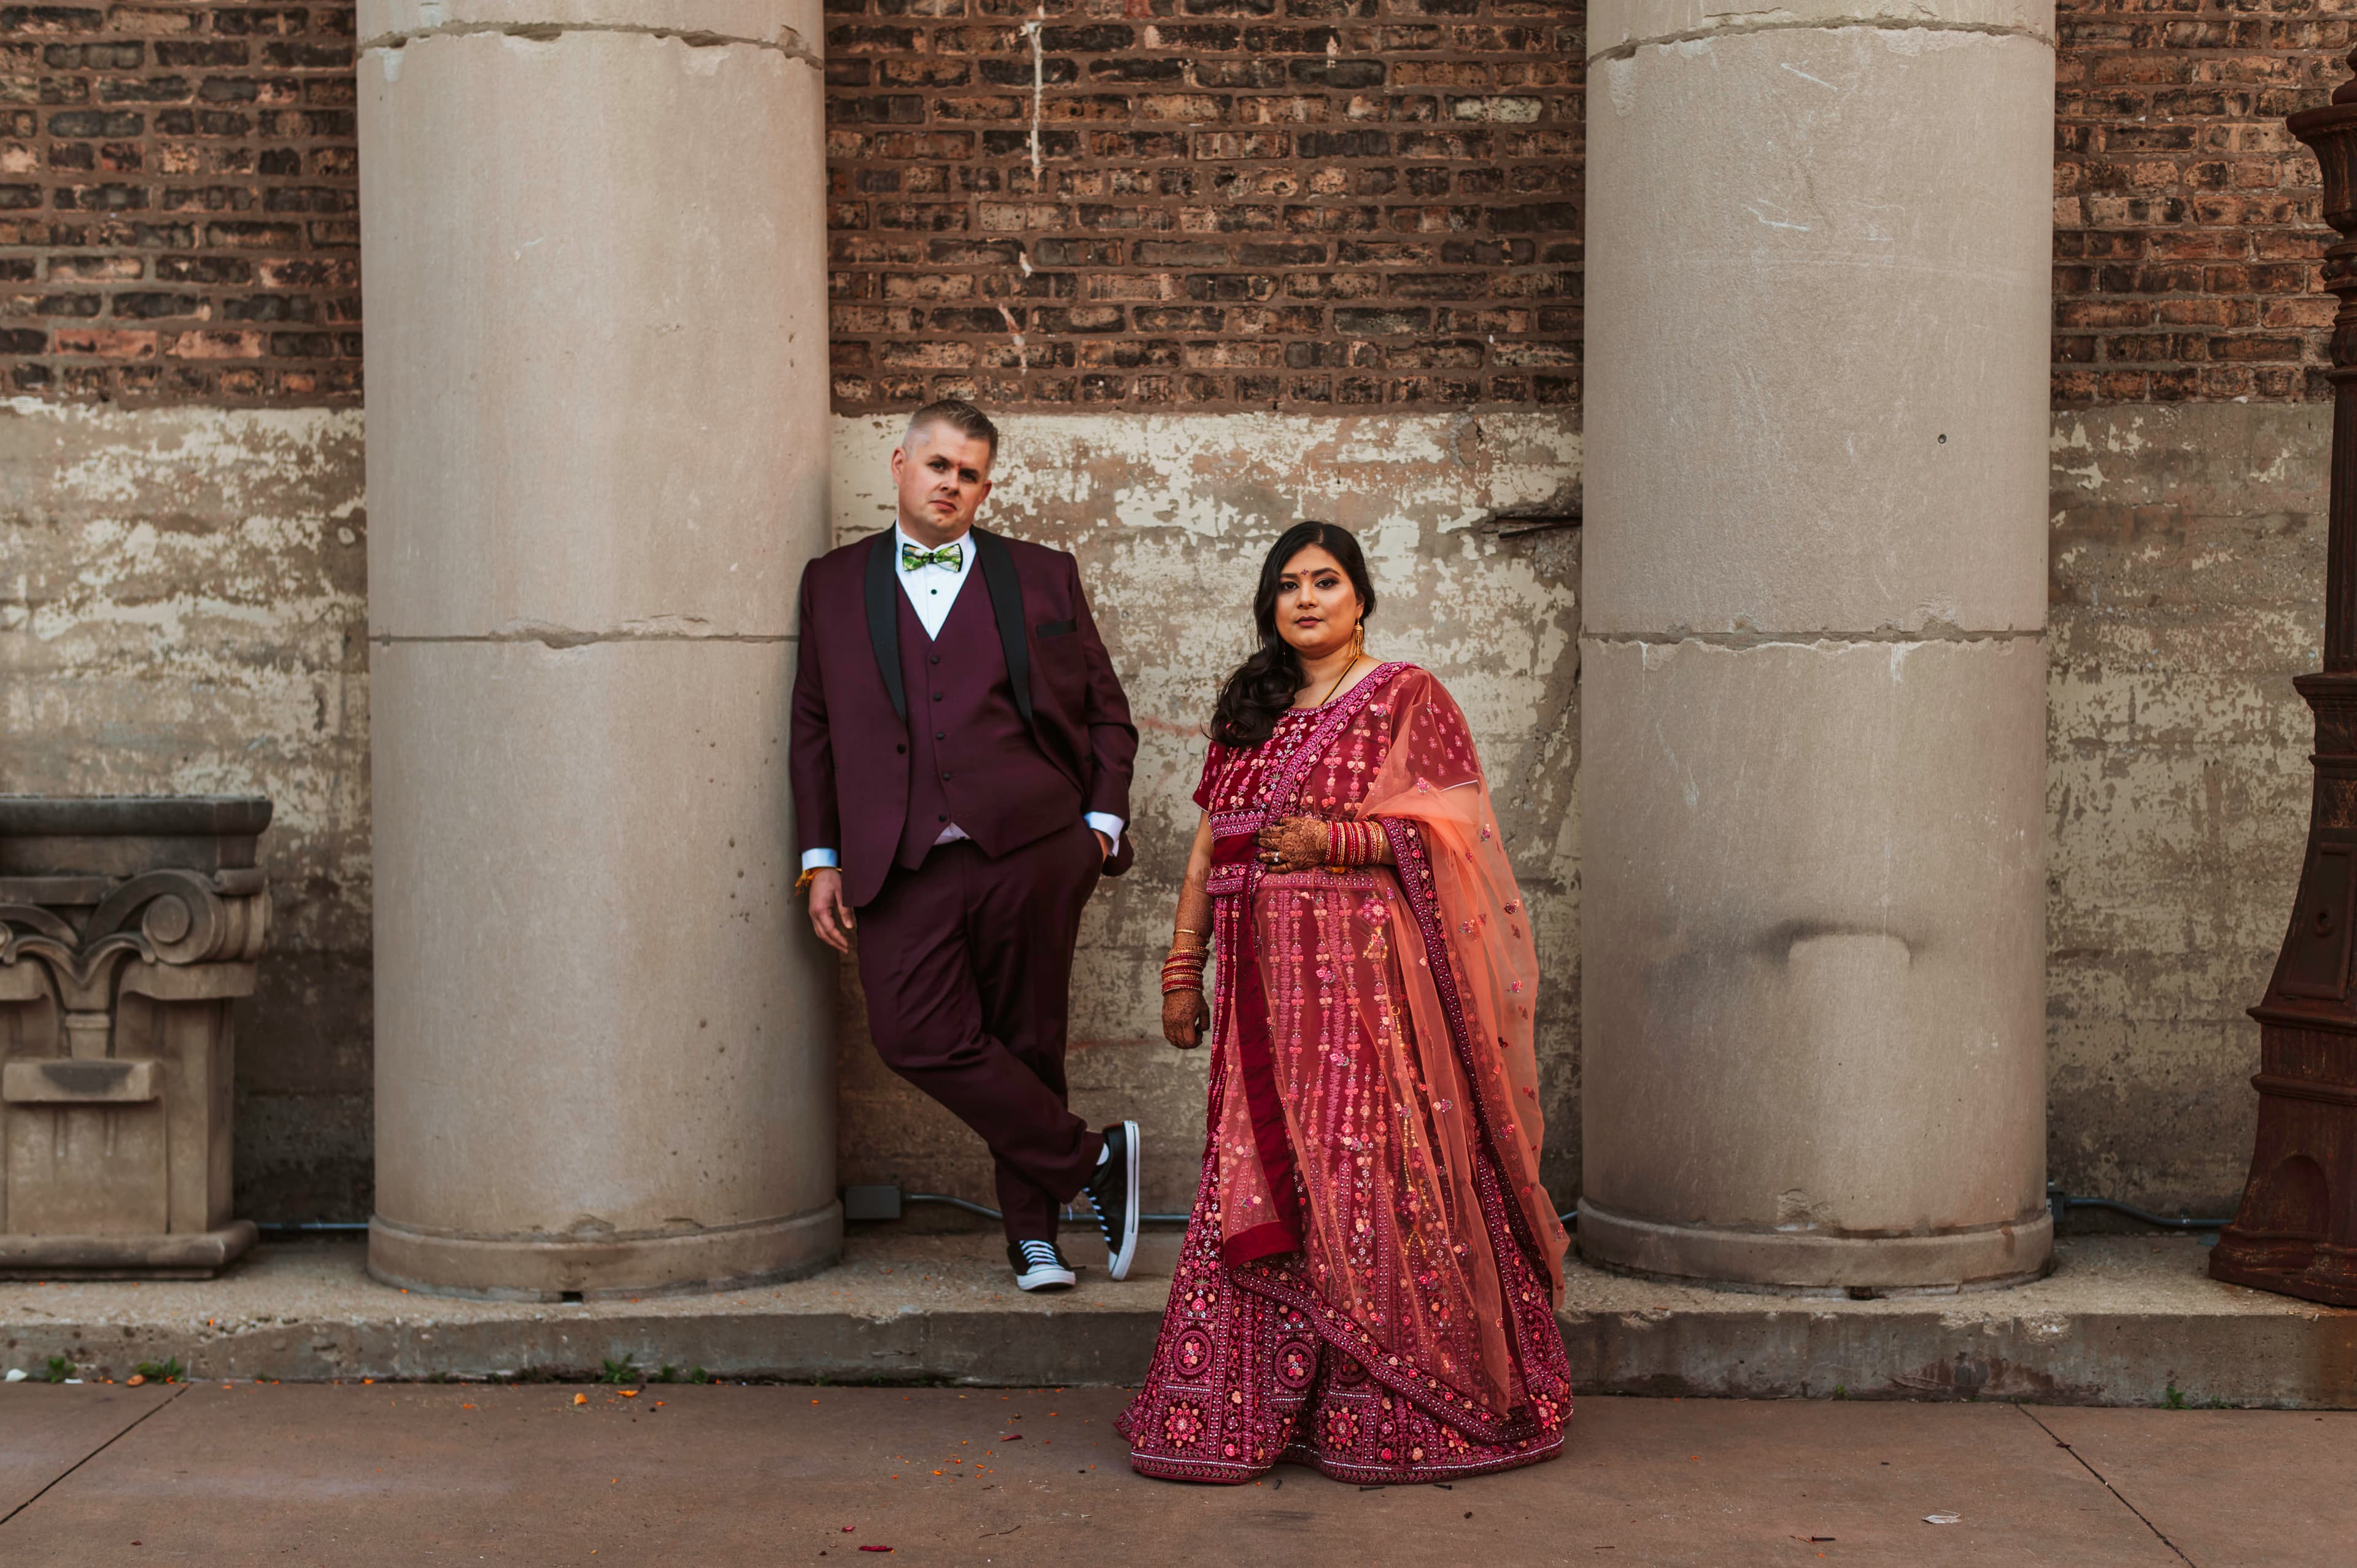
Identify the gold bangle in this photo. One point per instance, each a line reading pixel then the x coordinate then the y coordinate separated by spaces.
pixel 807 878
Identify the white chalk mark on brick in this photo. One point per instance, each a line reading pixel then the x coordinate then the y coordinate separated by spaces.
pixel 1024 354
pixel 1039 90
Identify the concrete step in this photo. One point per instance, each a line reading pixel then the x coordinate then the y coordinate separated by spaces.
pixel 2122 1321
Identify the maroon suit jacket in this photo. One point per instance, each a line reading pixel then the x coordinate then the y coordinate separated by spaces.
pixel 850 760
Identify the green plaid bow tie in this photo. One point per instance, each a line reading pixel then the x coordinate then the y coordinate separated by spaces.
pixel 950 556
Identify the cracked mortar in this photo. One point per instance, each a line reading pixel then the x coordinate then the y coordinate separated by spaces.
pixel 1628 48
pixel 786 41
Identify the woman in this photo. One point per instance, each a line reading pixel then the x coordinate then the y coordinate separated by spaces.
pixel 1369 1278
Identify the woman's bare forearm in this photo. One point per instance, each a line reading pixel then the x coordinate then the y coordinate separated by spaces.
pixel 1185 1013
pixel 1192 928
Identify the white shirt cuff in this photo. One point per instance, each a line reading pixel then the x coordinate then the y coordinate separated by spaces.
pixel 815 858
pixel 1106 823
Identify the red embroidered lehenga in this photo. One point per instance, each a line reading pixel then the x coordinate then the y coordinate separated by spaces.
pixel 1370 1273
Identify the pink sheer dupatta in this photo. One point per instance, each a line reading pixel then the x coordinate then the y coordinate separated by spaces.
pixel 1432 782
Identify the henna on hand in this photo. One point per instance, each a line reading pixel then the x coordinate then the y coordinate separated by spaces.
pixel 1184 1016
pixel 1297 843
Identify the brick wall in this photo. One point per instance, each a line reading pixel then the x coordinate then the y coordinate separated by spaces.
pixel 2186 232
pixel 1206 203
pixel 179 203
pixel 1238 203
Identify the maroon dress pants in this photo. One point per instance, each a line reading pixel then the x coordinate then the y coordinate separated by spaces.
pixel 968 965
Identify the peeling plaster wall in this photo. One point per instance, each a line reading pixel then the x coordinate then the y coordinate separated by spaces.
pixel 2187 590
pixel 1169 516
pixel 181 611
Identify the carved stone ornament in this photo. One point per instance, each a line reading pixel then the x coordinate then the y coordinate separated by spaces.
pixel 2295 1229
pixel 127 925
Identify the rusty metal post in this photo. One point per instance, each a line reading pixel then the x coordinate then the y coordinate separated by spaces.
pixel 2296 1232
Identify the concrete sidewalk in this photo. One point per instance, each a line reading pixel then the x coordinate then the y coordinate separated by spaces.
pixel 2122 1320
pixel 356 1476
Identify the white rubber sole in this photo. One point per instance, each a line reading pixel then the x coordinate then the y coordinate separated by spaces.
pixel 1117 1264
pixel 1046 1279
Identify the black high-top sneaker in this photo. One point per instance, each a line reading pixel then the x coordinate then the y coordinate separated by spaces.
pixel 1113 1193
pixel 1039 1266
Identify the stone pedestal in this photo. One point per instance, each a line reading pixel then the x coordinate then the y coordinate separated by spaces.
pixel 593 257
pixel 127 925
pixel 1812 643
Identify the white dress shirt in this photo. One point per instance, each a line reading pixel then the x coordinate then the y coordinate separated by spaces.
pixel 932 589
pixel 932 593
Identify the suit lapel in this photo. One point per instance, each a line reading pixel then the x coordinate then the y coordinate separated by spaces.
pixel 883 620
pixel 990 553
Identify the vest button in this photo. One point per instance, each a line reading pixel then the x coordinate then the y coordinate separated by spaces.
pixel 941 734
pixel 902 748
pixel 937 696
pixel 943 818
pixel 937 659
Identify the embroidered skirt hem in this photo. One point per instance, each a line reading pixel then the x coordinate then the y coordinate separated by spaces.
pixel 1223 1473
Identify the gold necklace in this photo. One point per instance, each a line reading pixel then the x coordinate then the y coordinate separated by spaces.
pixel 1338 682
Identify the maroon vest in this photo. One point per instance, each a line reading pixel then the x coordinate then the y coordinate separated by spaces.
pixel 972 757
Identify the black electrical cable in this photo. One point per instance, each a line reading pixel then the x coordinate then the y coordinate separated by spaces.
pixel 2060 1204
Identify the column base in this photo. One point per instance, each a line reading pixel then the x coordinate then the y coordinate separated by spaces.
pixel 173 1256
pixel 1979 1259
pixel 553 1268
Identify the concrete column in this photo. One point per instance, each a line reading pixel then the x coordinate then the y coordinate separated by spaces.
pixel 1813 643
pixel 594 238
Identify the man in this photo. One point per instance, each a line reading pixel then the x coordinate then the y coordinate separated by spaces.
pixel 961 767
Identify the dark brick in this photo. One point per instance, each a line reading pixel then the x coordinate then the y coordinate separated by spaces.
pixel 307 57
pixel 1352 144
pixel 241 21
pixel 155 307
pixel 1097 38
pixel 143 89
pixel 33 20
pixel 200 53
pixel 201 269
pixel 1338 73
pixel 1380 322
pixel 97 122
pixel 128 54
pixel 100 198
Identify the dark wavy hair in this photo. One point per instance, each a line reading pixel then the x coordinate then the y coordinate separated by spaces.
pixel 1263 686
